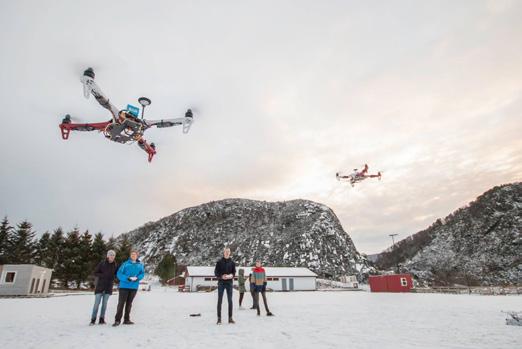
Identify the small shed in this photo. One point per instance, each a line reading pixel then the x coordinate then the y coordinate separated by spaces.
pixel 391 283
pixel 278 278
pixel 24 280
pixel 350 280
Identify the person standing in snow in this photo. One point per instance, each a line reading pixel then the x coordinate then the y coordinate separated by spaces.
pixel 129 274
pixel 260 282
pixel 252 289
pixel 225 271
pixel 105 272
pixel 241 279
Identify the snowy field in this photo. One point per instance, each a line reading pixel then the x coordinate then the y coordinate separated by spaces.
pixel 303 320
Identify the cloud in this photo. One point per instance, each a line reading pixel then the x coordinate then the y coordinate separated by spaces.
pixel 430 94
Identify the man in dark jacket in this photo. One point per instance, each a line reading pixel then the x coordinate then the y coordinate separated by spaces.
pixel 225 271
pixel 104 274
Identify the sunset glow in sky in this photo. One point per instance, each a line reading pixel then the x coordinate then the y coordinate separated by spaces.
pixel 285 94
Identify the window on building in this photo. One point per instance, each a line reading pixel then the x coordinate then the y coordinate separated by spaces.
pixel 32 285
pixel 208 279
pixel 404 282
pixel 10 277
pixel 214 279
pixel 275 279
pixel 36 290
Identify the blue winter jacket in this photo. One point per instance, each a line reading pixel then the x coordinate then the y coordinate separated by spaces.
pixel 128 269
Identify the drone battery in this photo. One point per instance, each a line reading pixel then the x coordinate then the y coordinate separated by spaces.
pixel 133 110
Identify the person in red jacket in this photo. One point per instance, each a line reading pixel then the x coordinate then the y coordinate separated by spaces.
pixel 259 283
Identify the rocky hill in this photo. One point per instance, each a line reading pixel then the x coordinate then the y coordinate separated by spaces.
pixel 480 244
pixel 291 233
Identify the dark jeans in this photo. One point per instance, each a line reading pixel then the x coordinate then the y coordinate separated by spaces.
pixel 252 293
pixel 256 301
pixel 222 286
pixel 241 295
pixel 125 298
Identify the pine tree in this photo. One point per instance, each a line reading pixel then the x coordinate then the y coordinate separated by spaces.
pixel 85 258
pixel 55 256
pixel 112 244
pixel 42 250
pixel 71 258
pixel 22 250
pixel 124 249
pixel 99 249
pixel 166 269
pixel 5 241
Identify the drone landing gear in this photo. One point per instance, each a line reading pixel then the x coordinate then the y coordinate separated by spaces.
pixel 65 130
pixel 150 149
pixel 65 133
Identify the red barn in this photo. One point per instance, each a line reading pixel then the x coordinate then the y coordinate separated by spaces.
pixel 391 283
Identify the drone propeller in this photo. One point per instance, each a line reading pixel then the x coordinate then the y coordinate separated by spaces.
pixel 70 119
pixel 78 68
pixel 195 110
pixel 198 109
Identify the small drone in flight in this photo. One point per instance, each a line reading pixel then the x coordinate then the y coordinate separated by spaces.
pixel 358 176
pixel 125 126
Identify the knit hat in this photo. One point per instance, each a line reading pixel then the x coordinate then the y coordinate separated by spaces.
pixel 111 253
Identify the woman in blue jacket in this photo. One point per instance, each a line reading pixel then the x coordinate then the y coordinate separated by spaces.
pixel 130 273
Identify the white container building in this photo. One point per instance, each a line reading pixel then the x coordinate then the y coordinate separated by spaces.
pixel 24 280
pixel 278 278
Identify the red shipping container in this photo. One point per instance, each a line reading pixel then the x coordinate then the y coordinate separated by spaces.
pixel 391 283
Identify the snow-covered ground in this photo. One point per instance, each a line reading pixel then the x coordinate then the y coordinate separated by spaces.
pixel 303 320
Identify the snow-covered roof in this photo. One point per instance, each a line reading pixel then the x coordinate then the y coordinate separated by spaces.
pixel 270 271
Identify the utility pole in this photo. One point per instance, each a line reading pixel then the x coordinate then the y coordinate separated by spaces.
pixel 393 247
pixel 393 238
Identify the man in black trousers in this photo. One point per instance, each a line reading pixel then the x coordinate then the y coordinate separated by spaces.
pixel 130 273
pixel 225 271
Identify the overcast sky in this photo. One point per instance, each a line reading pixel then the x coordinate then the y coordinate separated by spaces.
pixel 286 93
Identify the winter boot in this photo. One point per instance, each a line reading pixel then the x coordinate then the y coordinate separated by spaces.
pixel 101 321
pixel 269 314
pixel 116 323
pixel 218 322
pixel 93 322
pixel 128 322
pixel 231 321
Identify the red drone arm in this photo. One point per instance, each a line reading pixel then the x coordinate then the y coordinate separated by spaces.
pixel 66 127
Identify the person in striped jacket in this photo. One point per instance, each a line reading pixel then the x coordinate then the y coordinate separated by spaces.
pixel 259 283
